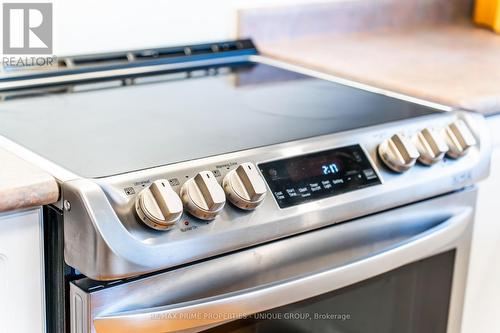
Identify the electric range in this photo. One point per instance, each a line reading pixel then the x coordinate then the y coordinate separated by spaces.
pixel 204 185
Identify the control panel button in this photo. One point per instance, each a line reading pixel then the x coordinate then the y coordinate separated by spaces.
pixel 431 146
pixel 459 138
pixel 202 196
pixel 158 206
pixel 244 186
pixel 398 153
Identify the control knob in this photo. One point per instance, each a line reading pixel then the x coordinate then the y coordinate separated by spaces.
pixel 244 186
pixel 158 206
pixel 431 146
pixel 202 196
pixel 459 138
pixel 398 153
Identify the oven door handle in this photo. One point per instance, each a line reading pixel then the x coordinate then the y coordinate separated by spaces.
pixel 200 314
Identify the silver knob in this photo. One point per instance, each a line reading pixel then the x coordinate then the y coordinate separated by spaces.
pixel 431 146
pixel 202 196
pixel 459 138
pixel 158 206
pixel 244 186
pixel 398 153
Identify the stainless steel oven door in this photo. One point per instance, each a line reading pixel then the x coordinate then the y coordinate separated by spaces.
pixel 402 270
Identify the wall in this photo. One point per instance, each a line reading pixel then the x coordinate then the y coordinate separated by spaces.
pixel 98 26
pixel 89 26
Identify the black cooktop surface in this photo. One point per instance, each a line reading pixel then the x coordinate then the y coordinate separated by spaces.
pixel 102 132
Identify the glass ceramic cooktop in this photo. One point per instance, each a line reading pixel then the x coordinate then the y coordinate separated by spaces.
pixel 102 132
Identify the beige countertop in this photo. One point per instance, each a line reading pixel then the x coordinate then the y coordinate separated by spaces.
pixel 23 185
pixel 452 64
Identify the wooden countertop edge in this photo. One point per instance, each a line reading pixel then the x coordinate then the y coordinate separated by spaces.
pixel 24 185
pixel 33 195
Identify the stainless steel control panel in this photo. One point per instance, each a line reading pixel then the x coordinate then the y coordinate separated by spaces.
pixel 226 205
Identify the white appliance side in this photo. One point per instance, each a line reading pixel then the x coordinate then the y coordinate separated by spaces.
pixel 482 300
pixel 22 298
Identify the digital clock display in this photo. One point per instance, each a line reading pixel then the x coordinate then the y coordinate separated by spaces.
pixel 330 169
pixel 318 175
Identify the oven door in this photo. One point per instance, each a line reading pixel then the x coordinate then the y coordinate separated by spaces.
pixel 402 270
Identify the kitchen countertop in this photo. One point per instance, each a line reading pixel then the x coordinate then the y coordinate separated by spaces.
pixel 452 64
pixel 23 185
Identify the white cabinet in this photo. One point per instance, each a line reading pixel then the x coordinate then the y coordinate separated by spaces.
pixel 482 302
pixel 21 272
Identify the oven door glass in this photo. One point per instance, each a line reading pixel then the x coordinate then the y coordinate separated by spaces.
pixel 412 298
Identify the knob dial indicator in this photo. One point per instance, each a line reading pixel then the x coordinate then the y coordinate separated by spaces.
pixel 158 206
pixel 459 138
pixel 398 153
pixel 244 186
pixel 202 196
pixel 431 146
